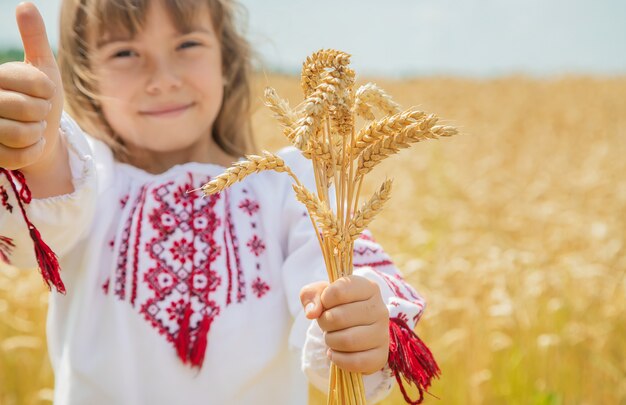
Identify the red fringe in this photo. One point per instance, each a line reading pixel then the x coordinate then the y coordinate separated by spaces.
pixel 182 341
pixel 46 259
pixel 199 349
pixel 410 358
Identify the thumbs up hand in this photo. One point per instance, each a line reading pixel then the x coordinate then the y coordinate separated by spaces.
pixel 31 104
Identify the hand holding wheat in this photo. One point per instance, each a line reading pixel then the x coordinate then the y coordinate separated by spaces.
pixel 323 128
pixel 355 321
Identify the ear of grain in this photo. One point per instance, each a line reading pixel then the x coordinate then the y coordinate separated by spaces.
pixel 390 143
pixel 320 213
pixel 369 210
pixel 314 109
pixel 240 170
pixel 316 64
pixel 369 97
pixel 280 107
pixel 385 126
pixel 341 115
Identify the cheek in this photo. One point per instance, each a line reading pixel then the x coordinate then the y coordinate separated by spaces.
pixel 117 114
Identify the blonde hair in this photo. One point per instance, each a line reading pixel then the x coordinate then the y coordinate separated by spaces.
pixel 82 19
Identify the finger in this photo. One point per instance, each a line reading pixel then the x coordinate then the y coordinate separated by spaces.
pixel 18 135
pixel 37 49
pixel 353 314
pixel 357 339
pixel 22 107
pixel 366 362
pixel 24 78
pixel 13 159
pixel 310 299
pixel 348 289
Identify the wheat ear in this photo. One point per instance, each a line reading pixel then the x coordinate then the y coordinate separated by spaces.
pixel 240 170
pixel 391 143
pixel 369 210
pixel 323 215
pixel 281 109
pixel 316 64
pixel 370 96
pixel 384 127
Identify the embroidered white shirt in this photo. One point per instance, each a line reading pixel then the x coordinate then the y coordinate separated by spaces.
pixel 138 254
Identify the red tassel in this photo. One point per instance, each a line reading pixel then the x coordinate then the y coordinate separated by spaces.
pixel 182 341
pixel 46 259
pixel 199 349
pixel 410 358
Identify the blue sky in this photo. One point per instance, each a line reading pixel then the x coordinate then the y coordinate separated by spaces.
pixel 398 37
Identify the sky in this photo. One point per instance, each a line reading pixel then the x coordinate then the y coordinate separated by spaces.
pixel 481 38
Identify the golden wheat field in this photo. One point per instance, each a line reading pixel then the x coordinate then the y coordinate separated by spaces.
pixel 514 231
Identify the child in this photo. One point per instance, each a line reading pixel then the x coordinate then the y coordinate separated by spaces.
pixel 172 298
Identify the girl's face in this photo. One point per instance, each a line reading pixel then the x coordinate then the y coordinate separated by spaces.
pixel 162 90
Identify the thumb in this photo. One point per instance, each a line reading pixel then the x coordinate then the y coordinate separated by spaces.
pixel 310 297
pixel 37 52
pixel 37 49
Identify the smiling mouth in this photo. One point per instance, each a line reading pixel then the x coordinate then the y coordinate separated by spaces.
pixel 167 111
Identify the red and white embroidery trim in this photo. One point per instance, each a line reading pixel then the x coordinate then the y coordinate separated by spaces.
pixel 168 255
pixel 255 244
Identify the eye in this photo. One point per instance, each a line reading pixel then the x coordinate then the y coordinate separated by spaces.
pixel 188 44
pixel 124 53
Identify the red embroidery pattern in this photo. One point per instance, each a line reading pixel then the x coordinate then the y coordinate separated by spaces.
pixel 4 198
pixel 182 274
pixel 6 244
pixel 105 286
pixel 122 257
pixel 169 251
pixel 381 263
pixel 133 294
pixel 392 284
pixel 229 269
pixel 402 316
pixel 369 253
pixel 241 284
pixel 365 250
pixel 249 207
pixel 256 245
pixel 124 201
pixel 260 287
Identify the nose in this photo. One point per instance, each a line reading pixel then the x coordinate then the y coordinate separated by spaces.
pixel 163 77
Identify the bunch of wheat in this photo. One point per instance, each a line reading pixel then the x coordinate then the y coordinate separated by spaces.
pixel 323 128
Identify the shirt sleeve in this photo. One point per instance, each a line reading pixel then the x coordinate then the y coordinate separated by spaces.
pixel 62 220
pixel 304 264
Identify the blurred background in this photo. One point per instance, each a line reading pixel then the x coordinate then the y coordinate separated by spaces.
pixel 514 230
